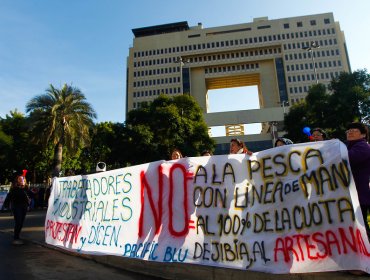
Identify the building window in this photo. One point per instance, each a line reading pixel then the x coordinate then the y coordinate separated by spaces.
pixel 313 22
pixel 299 24
pixel 326 20
pixel 286 25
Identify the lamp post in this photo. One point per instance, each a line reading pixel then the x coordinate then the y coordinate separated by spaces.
pixel 182 64
pixel 273 130
pixel 310 49
pixel 283 104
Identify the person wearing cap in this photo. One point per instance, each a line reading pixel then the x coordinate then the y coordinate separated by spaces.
pixel 19 202
pixel 282 142
pixel 318 134
pixel 359 159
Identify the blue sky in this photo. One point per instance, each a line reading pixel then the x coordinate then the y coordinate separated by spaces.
pixel 85 42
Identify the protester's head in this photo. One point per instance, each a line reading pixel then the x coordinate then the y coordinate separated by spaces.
pixel 282 142
pixel 318 134
pixel 19 181
pixel 357 131
pixel 176 154
pixel 206 153
pixel 237 146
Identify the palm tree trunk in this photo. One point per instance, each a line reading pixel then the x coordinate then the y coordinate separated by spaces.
pixel 57 166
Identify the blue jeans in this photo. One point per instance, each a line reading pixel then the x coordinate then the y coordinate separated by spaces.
pixel 19 216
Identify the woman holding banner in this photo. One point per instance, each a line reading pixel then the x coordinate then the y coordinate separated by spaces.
pixel 359 158
pixel 282 142
pixel 238 147
pixel 176 154
pixel 318 134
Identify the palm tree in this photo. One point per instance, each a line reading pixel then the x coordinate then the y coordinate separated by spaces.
pixel 61 117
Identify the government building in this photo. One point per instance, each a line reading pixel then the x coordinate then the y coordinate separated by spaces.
pixel 281 57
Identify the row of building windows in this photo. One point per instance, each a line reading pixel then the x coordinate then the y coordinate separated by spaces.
pixel 326 42
pixel 320 64
pixel 236 42
pixel 158 71
pixel 316 53
pixel 220 69
pixel 162 81
pixel 155 61
pixel 310 77
pixel 285 25
pixel 312 23
pixel 296 100
pixel 156 92
pixel 215 57
pixel 235 55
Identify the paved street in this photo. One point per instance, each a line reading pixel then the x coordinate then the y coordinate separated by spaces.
pixel 33 261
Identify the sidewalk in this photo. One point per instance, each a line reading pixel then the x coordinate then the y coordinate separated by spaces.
pixel 33 231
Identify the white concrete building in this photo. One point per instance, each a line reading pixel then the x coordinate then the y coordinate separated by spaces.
pixel 282 57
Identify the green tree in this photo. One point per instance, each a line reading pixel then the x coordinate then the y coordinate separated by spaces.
pixel 61 117
pixel 16 150
pixel 6 146
pixel 108 144
pixel 347 101
pixel 154 129
pixel 295 121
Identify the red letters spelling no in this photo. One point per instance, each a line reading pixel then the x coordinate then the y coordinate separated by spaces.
pixel 158 211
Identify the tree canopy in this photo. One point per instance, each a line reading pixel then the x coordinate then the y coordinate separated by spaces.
pixel 61 117
pixel 155 129
pixel 347 100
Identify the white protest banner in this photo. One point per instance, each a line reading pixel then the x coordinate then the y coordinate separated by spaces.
pixel 292 209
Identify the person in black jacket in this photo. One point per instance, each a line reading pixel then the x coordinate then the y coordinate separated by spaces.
pixel 19 202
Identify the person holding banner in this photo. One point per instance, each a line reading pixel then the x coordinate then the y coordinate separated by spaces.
pixel 238 147
pixel 359 158
pixel 176 154
pixel 318 134
pixel 282 142
pixel 19 202
pixel 206 153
